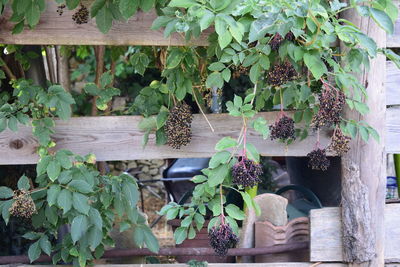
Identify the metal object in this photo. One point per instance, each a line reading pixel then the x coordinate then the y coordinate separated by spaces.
pixel 120 253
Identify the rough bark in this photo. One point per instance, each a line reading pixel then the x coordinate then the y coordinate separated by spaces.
pixel 364 168
pixel 63 69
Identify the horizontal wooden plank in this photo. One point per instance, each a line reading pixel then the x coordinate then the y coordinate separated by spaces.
pixel 326 234
pixel 62 30
pixel 393 130
pixel 277 264
pixel 118 138
pixel 392 84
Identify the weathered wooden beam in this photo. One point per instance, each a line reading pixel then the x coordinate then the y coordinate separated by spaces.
pixel 119 138
pixel 278 264
pixel 364 167
pixel 326 234
pixel 392 84
pixel 54 29
pixel 393 130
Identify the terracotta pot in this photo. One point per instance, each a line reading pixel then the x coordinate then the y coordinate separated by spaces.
pixel 267 234
pixel 200 241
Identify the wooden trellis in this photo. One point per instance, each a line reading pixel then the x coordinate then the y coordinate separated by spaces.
pixel 119 138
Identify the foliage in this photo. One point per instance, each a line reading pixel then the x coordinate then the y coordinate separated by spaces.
pixel 68 188
pixel 285 47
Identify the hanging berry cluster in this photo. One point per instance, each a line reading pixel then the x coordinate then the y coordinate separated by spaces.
pixel 222 238
pixel 178 126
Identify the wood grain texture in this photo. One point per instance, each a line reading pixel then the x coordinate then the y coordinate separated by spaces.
pixel 393 130
pixel 278 264
pixel 54 29
pixel 392 84
pixel 363 220
pixel 118 138
pixel 326 234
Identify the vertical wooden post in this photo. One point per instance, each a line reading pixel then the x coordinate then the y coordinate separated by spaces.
pixel 364 167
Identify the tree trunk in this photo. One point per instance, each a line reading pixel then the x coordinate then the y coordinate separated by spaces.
pixel 63 69
pixel 364 168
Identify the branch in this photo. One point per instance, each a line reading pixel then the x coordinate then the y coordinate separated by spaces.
pixel 99 54
pixel 8 71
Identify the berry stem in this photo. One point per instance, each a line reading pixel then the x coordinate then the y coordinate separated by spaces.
pixel 281 96
pixel 201 110
pixel 244 138
pixel 222 216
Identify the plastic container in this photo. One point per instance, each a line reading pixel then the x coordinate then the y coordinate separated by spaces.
pixel 391 187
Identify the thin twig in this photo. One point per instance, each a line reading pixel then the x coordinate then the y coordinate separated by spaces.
pixel 8 71
pixel 316 264
pixel 201 110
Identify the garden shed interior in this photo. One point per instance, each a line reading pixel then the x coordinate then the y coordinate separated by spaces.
pixel 364 231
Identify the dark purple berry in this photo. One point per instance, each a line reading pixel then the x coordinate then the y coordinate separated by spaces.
pixel 222 238
pixel 283 129
pixel 281 73
pixel 246 173
pixel 318 160
pixel 178 126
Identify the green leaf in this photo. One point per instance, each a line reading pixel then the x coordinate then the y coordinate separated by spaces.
pixel 364 133
pixel 6 192
pixel 23 118
pixel 252 153
pixel 32 14
pixel 34 251
pixel 150 240
pixel 382 19
pixel 216 66
pixel 104 19
pixel 52 194
pixel 261 126
pixel 146 5
pixel 23 183
pixel 180 235
pixel 162 117
pixel 226 142
pixel 53 170
pixel 51 215
pixel 219 158
pixel 218 175
pixel 64 200
pixel 315 65
pixel 5 213
pixel 96 6
pixel 247 199
pixel 3 124
pixel 45 244
pixel 255 73
pixel 80 203
pixel 138 235
pixel 234 212
pixel 94 237
pixel 13 124
pixel 78 227
pixel 183 3
pixel 106 79
pixel 206 19
pixel 95 218
pixel 224 39
pixel 215 80
pixel 199 179
pixel 128 7
pixel 31 236
pixel 130 192
pixel 91 88
pixel 80 186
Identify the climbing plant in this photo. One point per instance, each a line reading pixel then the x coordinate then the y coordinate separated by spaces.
pixel 289 50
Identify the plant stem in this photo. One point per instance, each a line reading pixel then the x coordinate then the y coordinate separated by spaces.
pixel 222 204
pixel 201 110
pixel 8 71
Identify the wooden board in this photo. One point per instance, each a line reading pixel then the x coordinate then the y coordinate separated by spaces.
pixel 326 234
pixel 392 84
pixel 118 138
pixel 55 29
pixel 278 264
pixel 393 130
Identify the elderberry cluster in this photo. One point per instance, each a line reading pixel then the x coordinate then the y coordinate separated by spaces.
pixel 339 142
pixel 283 129
pixel 60 9
pixel 331 105
pixel 318 160
pixel 277 40
pixel 246 173
pixel 281 73
pixel 238 71
pixel 81 16
pixel 222 238
pixel 23 205
pixel 178 126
